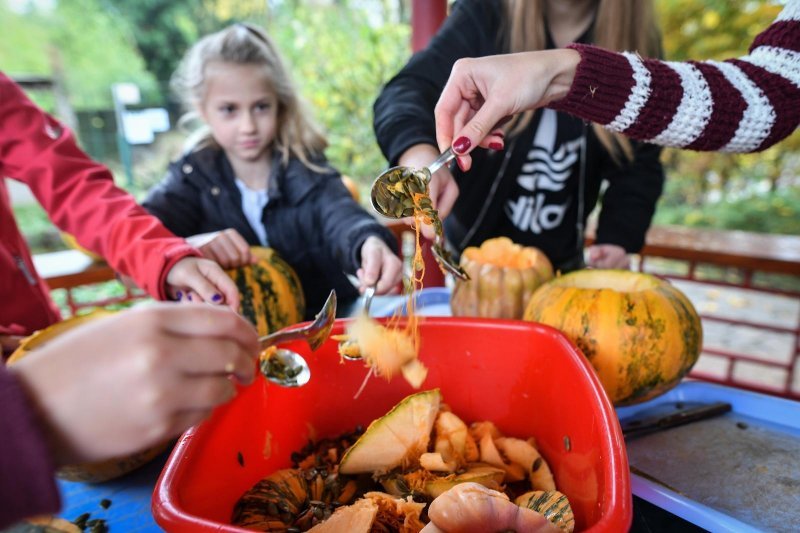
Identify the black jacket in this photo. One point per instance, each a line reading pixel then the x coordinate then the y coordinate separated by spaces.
pixel 311 219
pixel 403 116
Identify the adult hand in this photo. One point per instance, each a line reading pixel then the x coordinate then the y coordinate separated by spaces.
pixel 226 247
pixel 608 256
pixel 201 280
pixel 119 384
pixel 442 188
pixel 482 92
pixel 379 264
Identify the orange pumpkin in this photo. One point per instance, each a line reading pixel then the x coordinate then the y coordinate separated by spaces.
pixel 503 277
pixel 89 472
pixel 640 333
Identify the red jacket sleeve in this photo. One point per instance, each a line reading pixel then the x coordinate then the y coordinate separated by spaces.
pixel 80 196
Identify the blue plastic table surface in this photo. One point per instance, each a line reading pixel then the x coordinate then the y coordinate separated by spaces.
pixel 129 496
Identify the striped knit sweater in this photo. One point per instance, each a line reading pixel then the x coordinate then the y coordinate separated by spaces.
pixel 739 105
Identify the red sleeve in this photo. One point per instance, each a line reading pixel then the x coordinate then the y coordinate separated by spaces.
pixel 80 196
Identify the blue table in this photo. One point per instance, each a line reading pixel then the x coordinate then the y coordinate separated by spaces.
pixel 129 495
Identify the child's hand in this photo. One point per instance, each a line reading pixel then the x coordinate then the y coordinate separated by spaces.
pixel 226 247
pixel 379 263
pixel 608 256
pixel 201 280
pixel 120 384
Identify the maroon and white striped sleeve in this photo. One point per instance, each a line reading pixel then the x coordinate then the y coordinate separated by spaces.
pixel 739 105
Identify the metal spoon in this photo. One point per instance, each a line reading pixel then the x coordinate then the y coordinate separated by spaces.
pixel 385 195
pixel 369 293
pixel 445 260
pixel 314 334
pixel 288 368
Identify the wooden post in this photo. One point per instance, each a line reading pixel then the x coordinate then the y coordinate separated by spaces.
pixel 426 17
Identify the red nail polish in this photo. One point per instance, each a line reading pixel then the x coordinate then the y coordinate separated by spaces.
pixel 461 145
pixel 500 134
pixel 496 146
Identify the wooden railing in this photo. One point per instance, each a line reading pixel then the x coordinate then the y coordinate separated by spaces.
pixel 753 264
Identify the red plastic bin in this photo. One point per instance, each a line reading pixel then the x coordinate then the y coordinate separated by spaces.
pixel 527 378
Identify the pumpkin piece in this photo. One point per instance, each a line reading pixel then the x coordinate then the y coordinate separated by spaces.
pixel 482 474
pixel 520 452
pixel 473 508
pixel 396 439
pixel 641 334
pixel 551 504
pixel 99 471
pixel 503 277
pixel 355 518
pixel 271 293
pixel 453 438
pixel 387 350
pixel 293 498
pixel 479 429
pixel 401 515
pixel 434 462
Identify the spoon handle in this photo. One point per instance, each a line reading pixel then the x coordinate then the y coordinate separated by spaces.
pixel 282 336
pixel 442 160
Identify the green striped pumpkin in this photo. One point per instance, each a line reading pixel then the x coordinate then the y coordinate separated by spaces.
pixel 551 504
pixel 640 333
pixel 270 291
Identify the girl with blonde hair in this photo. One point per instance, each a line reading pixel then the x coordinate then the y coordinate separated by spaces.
pixel 256 174
pixel 544 171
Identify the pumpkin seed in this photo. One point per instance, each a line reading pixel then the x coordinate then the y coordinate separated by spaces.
pixel 240 458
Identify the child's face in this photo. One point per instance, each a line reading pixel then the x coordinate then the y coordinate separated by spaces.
pixel 241 110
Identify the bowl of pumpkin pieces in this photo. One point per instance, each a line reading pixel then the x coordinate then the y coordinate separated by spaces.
pixel 507 430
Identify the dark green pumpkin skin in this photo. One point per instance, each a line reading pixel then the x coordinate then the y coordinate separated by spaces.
pixel 270 292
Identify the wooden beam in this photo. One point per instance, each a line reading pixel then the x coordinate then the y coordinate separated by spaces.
pixel 426 17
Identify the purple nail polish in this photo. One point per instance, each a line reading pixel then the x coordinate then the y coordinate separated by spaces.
pixel 179 295
pixel 188 296
pixel 461 145
pixel 217 298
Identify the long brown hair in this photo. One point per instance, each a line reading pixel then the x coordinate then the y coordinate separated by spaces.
pixel 296 135
pixel 621 25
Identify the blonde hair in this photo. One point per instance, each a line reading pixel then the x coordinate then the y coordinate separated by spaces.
pixel 296 133
pixel 620 25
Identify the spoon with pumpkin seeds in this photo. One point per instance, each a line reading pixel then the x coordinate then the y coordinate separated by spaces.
pixel 401 191
pixel 285 367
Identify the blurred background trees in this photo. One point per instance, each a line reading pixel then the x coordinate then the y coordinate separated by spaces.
pixel 340 52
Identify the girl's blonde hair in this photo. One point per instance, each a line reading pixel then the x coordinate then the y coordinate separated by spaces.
pixel 621 25
pixel 296 133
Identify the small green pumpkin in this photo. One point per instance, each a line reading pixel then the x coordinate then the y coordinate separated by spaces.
pixel 271 294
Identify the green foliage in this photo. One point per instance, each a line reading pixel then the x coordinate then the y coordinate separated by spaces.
pixel 92 46
pixel 339 61
pixel 766 213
